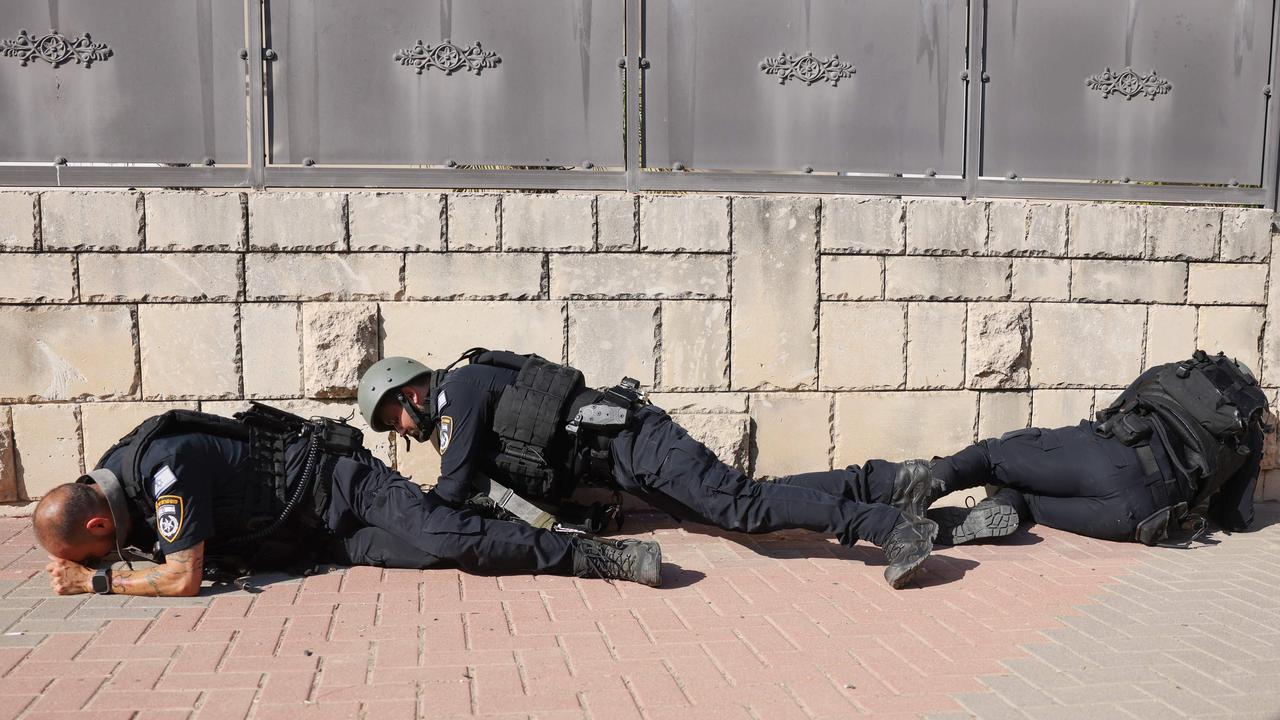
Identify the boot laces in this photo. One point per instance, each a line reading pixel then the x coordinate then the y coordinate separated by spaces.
pixel 605 560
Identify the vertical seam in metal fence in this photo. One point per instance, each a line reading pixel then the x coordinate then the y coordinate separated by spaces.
pixel 974 115
pixel 257 98
pixel 633 37
pixel 1271 144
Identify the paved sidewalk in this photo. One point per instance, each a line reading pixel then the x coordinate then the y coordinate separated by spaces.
pixel 778 626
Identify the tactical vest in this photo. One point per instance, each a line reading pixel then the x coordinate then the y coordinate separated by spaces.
pixel 534 453
pixel 1201 410
pixel 257 529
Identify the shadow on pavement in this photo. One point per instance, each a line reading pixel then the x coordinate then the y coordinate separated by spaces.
pixel 674 576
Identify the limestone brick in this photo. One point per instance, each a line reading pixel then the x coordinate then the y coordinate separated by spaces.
pixel 634 276
pixel 189 351
pixel 946 227
pixel 67 353
pixel 1246 234
pixel 9 490
pixel 610 340
pixel 474 221
pixel 852 277
pixel 91 220
pixel 396 221
pixel 1020 228
pixel 159 277
pixel 297 221
pixel 1271 341
pixel 1079 344
pixel 847 360
pixel 947 278
pixel 1041 279
pixel 792 433
pixel 340 342
pixel 104 423
pixel 315 276
pixel 695 345
pixel 42 278
pixel 420 463
pixel 1171 333
pixel 617 218
pixel 684 223
pixel 1178 233
pixel 728 436
pixel 472 276
pixel 1109 230
pixel 436 333
pixel 935 345
pixel 775 291
pixel 196 221
pixel 547 222
pixel 19 221
pixel 998 348
pixel 1126 281
pixel 902 425
pixel 1227 284
pixel 47 447
pixel 271 350
pixel 700 402
pixel 863 225
pixel 1060 408
pixel 1235 331
pixel 1002 412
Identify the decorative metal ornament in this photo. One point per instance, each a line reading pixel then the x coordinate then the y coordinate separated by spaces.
pixel 806 68
pixel 1129 84
pixel 54 48
pixel 447 57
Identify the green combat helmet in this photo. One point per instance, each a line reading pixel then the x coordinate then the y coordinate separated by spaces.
pixel 385 377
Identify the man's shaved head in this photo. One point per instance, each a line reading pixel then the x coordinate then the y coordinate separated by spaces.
pixel 61 518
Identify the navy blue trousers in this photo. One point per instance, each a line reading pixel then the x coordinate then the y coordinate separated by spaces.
pixel 657 460
pixel 381 518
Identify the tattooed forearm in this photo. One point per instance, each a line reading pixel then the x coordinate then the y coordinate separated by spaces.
pixel 180 575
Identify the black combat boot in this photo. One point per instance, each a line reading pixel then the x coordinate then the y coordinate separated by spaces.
pixel 639 561
pixel 907 547
pixel 915 488
pixel 996 516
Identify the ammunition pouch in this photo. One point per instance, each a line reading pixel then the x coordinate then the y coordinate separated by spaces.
pixel 527 421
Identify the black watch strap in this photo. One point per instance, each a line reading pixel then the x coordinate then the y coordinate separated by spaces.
pixel 102 581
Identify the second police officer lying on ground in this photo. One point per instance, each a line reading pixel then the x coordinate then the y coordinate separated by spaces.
pixel 518 426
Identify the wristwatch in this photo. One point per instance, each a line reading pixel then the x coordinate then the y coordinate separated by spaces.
pixel 102 581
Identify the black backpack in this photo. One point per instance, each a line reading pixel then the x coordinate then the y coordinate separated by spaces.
pixel 1202 410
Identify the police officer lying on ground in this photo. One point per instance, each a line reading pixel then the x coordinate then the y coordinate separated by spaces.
pixel 1181 445
pixel 270 490
pixel 519 426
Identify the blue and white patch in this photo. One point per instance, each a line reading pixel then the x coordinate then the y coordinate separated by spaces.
pixel 441 401
pixel 163 480
pixel 446 433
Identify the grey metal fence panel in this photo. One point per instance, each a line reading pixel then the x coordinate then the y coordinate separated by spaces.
pixel 122 81
pixel 729 85
pixel 1162 90
pixel 512 82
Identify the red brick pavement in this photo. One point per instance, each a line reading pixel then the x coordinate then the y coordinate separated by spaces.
pixel 779 626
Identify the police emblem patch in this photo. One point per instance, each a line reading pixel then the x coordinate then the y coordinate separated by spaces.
pixel 169 516
pixel 446 432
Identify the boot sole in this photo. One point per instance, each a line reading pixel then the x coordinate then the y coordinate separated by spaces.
pixel 958 526
pixel 899 579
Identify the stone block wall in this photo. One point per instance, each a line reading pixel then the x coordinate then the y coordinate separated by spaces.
pixel 791 333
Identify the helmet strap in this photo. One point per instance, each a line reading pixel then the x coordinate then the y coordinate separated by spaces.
pixel 424 420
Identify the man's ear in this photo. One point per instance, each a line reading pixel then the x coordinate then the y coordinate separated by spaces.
pixel 100 526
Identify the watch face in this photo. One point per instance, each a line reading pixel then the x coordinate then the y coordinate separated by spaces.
pixel 102 581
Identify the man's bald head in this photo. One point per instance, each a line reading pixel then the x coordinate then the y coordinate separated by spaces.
pixel 64 520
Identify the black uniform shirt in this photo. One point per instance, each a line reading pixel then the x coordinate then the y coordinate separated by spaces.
pixel 187 479
pixel 465 402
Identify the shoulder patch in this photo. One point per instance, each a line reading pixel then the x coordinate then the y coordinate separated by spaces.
pixel 163 480
pixel 441 401
pixel 446 433
pixel 169 517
